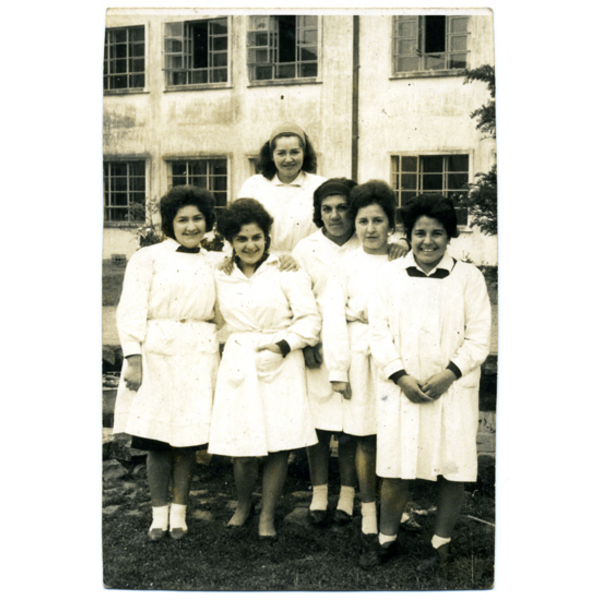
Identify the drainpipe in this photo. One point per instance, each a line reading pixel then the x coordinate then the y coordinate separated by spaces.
pixel 355 67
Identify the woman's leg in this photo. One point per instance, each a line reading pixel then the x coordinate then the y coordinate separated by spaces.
pixel 347 462
pixel 394 495
pixel 274 474
pixel 245 474
pixel 159 465
pixel 367 481
pixel 184 461
pixel 450 499
pixel 318 465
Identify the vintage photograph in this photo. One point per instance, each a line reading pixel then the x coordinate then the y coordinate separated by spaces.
pixel 299 300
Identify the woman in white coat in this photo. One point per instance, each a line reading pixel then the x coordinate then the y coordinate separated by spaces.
pixel 352 372
pixel 285 184
pixel 165 323
pixel 317 255
pixel 429 322
pixel 261 408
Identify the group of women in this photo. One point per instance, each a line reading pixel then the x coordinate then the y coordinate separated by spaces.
pixel 331 329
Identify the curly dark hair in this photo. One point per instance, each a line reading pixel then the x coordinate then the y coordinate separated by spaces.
pixel 336 186
pixel 266 167
pixel 378 192
pixel 244 211
pixel 186 195
pixel 435 206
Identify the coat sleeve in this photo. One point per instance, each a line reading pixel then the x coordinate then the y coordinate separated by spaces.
pixel 132 311
pixel 478 324
pixel 381 341
pixel 306 324
pixel 248 189
pixel 336 342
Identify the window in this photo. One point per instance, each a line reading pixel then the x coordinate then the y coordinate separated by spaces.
pixel 282 47
pixel 196 52
pixel 442 174
pixel 207 173
pixel 430 43
pixel 125 191
pixel 124 63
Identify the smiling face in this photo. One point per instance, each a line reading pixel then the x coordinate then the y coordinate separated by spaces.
pixel 372 229
pixel 337 222
pixel 189 226
pixel 288 157
pixel 249 244
pixel 429 241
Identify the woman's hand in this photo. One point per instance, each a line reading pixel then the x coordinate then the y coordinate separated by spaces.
pixel 397 249
pixel 412 390
pixel 439 383
pixel 133 372
pixel 313 358
pixel 343 388
pixel 287 263
pixel 272 347
pixel 226 265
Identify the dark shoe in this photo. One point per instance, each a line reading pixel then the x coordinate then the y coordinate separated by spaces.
pixel 436 560
pixel 156 534
pixel 177 533
pixel 341 517
pixel 318 518
pixel 376 555
pixel 267 538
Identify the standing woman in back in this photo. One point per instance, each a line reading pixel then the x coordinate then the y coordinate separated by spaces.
pixel 285 185
pixel 165 322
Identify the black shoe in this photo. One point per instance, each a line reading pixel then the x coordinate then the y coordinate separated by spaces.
pixel 156 534
pixel 178 533
pixel 318 518
pixel 437 560
pixel 375 554
pixel 341 517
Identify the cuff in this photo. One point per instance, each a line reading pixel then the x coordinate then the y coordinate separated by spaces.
pixel 341 376
pixel 391 368
pixel 130 348
pixel 395 377
pixel 452 367
pixel 285 347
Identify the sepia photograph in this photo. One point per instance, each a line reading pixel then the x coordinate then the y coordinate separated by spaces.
pixel 299 300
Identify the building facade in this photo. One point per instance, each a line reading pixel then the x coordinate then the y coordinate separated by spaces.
pixel 191 97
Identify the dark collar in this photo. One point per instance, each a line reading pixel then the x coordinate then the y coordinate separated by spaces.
pixel 188 250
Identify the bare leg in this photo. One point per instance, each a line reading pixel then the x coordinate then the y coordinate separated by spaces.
pixel 394 495
pixel 274 474
pixel 159 465
pixel 245 473
pixel 318 459
pixel 365 467
pixel 347 458
pixel 450 499
pixel 184 461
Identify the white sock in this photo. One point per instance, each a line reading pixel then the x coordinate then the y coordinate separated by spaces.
pixel 177 517
pixel 160 517
pixel 387 539
pixel 437 541
pixel 346 500
pixel 319 497
pixel 369 517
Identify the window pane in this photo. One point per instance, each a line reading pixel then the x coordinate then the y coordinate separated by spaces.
pixel 199 76
pixel 221 198
pixel 199 181
pixel 136 50
pixel 220 166
pixel 457 61
pixel 197 167
pixel 219 60
pixel 219 43
pixel 136 65
pixel 407 65
pixel 456 181
pixel 459 24
pixel 308 36
pixel 119 199
pixel 120 51
pixel 435 34
pixel 433 182
pixel 409 163
pixel 406 196
pixel 458 42
pixel 219 183
pixel 435 62
pixel 172 45
pixel 137 184
pixel 432 164
pixel 264 73
pixel 219 27
pixel 259 22
pixel 307 54
pixel 458 162
pixel 407 46
pixel 308 70
pixel 409 182
pixel 219 76
pixel 309 20
pixel 179 180
pixel 286 71
pixel 137 168
pixel 136 81
pixel 178 78
pixel 120 36
pixel 136 34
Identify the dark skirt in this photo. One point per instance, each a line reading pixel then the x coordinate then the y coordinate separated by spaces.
pixel 140 443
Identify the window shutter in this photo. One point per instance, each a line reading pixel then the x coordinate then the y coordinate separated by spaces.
pixel 457 40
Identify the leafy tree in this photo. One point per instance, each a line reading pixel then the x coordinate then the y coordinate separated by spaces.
pixel 481 198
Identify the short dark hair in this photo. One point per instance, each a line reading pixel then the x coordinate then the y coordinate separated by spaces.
pixel 266 167
pixel 244 211
pixel 377 192
pixel 336 186
pixel 186 195
pixel 435 206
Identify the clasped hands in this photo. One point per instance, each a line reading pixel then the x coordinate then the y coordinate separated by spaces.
pixel 421 392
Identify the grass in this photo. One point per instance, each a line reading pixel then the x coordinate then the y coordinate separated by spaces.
pixel 213 558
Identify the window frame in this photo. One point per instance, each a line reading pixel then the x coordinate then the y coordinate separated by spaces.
pixel 186 53
pixel 169 160
pixel 419 42
pixel 111 31
pixel 273 46
pixel 396 179
pixel 129 223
